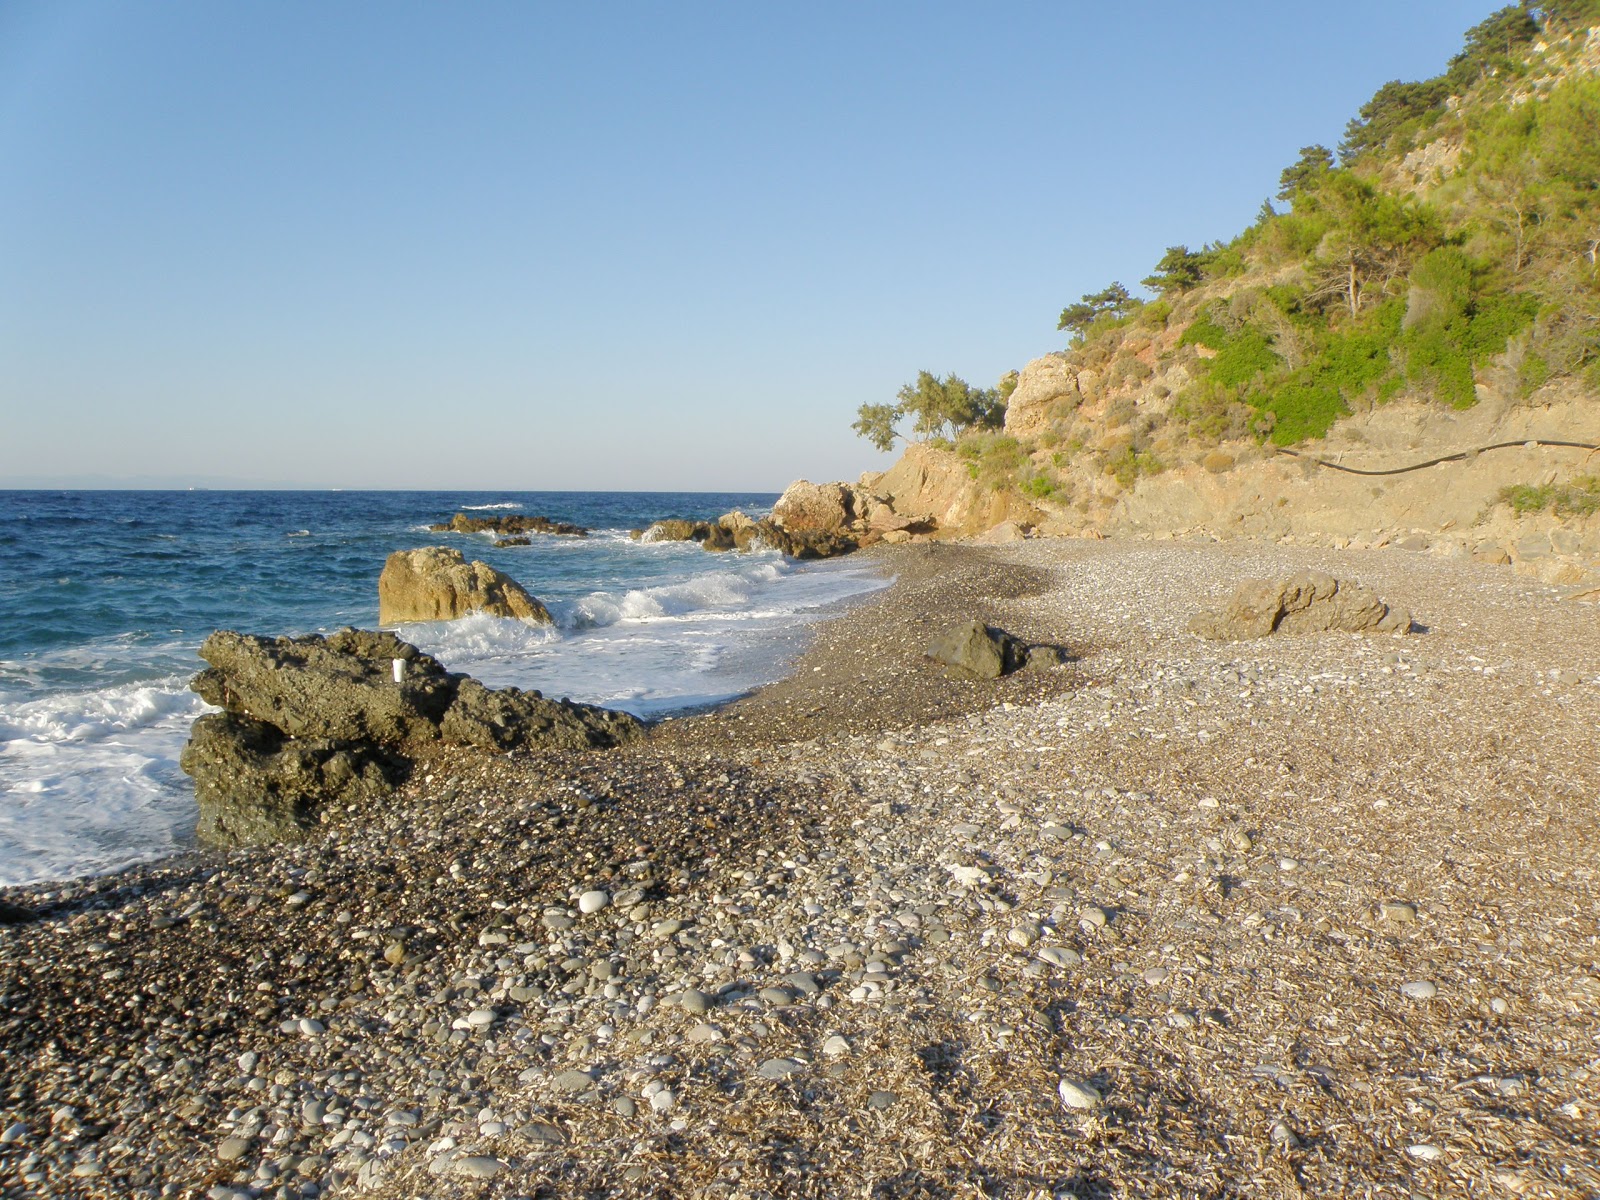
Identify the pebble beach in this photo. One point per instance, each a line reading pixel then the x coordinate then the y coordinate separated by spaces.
pixel 1312 915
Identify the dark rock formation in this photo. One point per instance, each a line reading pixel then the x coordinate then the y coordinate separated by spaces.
pixel 521 540
pixel 462 523
pixel 735 531
pixel 15 914
pixel 1310 602
pixel 807 543
pixel 973 648
pixel 435 583
pixel 313 723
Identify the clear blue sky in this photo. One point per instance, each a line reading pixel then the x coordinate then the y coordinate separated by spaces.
pixel 517 245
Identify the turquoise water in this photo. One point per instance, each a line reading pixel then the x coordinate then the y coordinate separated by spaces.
pixel 105 596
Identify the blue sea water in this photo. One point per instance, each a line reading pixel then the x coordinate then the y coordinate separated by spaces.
pixel 105 597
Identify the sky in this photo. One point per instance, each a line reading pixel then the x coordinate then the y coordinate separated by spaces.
pixel 611 246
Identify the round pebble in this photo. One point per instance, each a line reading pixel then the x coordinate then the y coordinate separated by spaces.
pixel 778 1068
pixel 836 1046
pixel 481 1018
pixel 1419 989
pixel 477 1166
pixel 694 1001
pixel 593 902
pixel 1079 1096
pixel 1424 1152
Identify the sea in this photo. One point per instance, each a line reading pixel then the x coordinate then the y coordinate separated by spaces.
pixel 105 597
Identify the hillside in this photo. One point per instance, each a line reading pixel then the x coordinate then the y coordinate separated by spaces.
pixel 1430 287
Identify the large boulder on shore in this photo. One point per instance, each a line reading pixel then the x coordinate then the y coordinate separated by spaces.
pixel 314 723
pixel 435 583
pixel 1310 602
pixel 807 507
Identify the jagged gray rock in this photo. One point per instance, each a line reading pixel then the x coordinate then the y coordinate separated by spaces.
pixel 314 723
pixel 1309 602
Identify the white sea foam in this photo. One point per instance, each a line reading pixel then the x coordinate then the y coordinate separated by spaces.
pixel 489 507
pixel 657 650
pixel 89 781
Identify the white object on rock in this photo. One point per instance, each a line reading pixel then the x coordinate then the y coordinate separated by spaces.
pixel 593 902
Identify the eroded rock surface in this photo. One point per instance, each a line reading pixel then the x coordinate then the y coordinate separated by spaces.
pixel 807 507
pixel 435 583
pixel 311 724
pixel 1309 602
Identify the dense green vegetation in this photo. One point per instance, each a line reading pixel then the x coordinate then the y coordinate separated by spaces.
pixel 1379 287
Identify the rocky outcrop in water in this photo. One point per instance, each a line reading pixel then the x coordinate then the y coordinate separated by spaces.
pixel 310 725
pixel 435 583
pixel 462 523
pixel 1310 602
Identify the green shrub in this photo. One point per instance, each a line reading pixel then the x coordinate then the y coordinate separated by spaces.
pixel 1127 464
pixel 1203 331
pixel 1302 408
pixel 1245 356
pixel 1579 497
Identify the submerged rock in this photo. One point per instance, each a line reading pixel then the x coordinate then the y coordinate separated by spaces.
pixel 314 723
pixel 462 523
pixel 1310 602
pixel 435 583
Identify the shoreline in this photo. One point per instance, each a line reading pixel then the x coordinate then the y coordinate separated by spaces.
pixel 862 923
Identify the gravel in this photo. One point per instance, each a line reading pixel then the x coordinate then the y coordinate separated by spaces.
pixel 920 907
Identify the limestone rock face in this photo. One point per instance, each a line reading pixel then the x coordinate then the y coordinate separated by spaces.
pixel 933 488
pixel 1310 602
pixel 1044 383
pixel 1006 531
pixel 312 724
pixel 807 507
pixel 435 583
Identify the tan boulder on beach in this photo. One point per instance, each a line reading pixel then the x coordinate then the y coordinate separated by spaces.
pixel 1310 602
pixel 435 583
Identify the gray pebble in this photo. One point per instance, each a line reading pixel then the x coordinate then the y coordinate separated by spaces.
pixel 778 1068
pixel 233 1148
pixel 882 1100
pixel 573 1082
pixel 477 1166
pixel 693 1000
